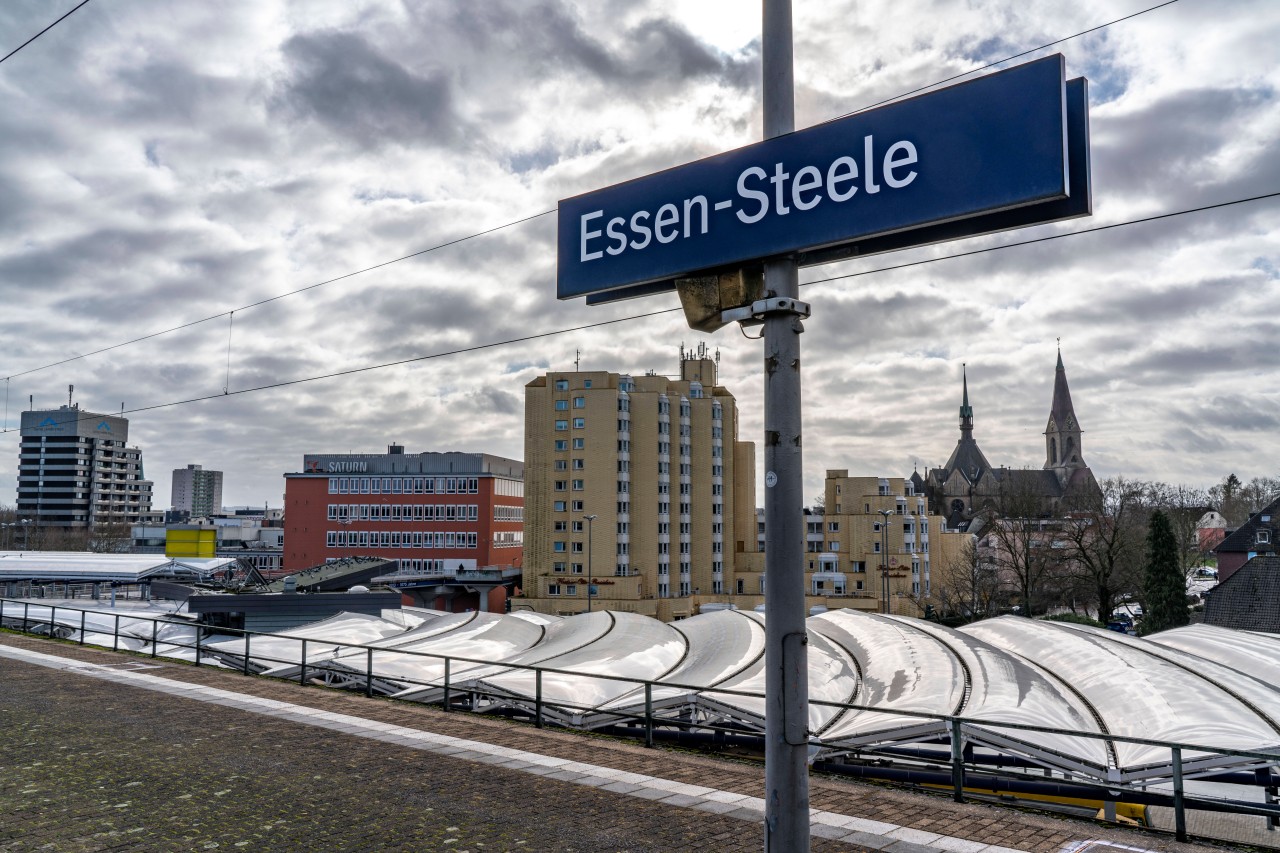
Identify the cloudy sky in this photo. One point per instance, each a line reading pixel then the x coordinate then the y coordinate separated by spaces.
pixel 164 161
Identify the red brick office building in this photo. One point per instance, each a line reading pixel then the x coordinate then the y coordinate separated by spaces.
pixel 437 513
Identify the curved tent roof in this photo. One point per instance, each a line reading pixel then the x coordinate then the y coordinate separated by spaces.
pixel 1136 691
pixel 912 665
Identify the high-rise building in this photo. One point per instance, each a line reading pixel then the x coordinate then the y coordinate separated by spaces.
pixel 639 482
pixel 437 513
pixel 196 492
pixel 76 471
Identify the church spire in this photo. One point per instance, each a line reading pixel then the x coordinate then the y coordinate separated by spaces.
pixel 966 411
pixel 1062 435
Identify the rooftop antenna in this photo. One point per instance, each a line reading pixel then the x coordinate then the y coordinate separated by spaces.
pixel 577 359
pixel 71 389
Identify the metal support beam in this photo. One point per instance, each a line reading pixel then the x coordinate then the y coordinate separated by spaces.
pixel 786 664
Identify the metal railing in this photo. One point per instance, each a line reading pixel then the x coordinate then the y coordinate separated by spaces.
pixel 41 619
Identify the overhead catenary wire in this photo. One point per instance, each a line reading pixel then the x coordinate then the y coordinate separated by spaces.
pixel 42 32
pixel 616 320
pixel 991 65
pixel 522 220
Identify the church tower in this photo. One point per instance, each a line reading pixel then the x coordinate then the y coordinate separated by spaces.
pixel 1063 451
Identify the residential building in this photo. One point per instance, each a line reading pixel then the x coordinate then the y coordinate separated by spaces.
pixel 196 492
pixel 640 484
pixel 1249 598
pixel 1257 537
pixel 438 514
pixel 77 472
pixel 968 485
pixel 874 546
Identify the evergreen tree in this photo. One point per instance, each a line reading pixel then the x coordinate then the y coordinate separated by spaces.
pixel 1164 587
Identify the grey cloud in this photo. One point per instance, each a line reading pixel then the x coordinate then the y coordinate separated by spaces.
pixel 346 84
pixel 1170 145
pixel 490 400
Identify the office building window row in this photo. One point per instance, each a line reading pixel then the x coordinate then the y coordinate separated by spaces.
pixel 404 485
pixel 399 539
pixel 407 512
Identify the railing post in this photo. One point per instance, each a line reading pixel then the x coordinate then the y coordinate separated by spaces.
pixel 53 621
pixel 1179 813
pixel 82 615
pixel 198 632
pixel 115 634
pixel 302 676
pixel 26 611
pixel 648 714
pixel 957 759
pixel 447 689
pixel 537 698
pixel 246 652
pixel 368 672
pixel 155 632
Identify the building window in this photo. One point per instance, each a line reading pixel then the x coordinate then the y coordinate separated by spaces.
pixel 579 402
pixel 553 589
pixel 577 507
pixel 580 464
pixel 579 423
pixel 579 443
pixel 558 547
pixel 579 485
pixel 577 547
pixel 571 589
pixel 559 507
pixel 577 568
pixel 561 485
pixel 562 464
pixel 1264 536
pixel 562 384
pixel 558 567
pixel 562 425
pixel 562 525
pixel 562 405
pixel 561 444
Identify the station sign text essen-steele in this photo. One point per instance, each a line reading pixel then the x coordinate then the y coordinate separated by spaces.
pixel 978 148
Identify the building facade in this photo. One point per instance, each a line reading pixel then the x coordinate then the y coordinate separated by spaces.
pixel 196 492
pixel 874 546
pixel 640 484
pixel 76 471
pixel 436 513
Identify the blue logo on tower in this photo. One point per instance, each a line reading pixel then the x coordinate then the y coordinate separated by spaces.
pixel 47 423
pixel 103 427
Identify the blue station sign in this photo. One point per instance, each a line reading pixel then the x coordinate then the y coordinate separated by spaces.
pixel 993 152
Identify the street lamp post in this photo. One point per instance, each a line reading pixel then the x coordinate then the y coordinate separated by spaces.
pixel 589 519
pixel 884 560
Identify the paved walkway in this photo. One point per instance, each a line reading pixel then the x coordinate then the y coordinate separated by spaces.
pixel 102 751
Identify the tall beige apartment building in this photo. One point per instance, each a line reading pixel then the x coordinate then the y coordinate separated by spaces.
pixel 641 483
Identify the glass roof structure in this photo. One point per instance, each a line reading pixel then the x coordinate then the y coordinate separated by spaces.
pixel 875 682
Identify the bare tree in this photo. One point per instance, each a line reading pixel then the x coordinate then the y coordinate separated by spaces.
pixel 1103 536
pixel 1021 542
pixel 1237 501
pixel 967 585
pixel 1184 507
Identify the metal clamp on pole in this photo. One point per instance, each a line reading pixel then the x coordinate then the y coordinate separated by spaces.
pixel 755 313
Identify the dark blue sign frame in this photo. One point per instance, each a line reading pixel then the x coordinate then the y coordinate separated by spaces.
pixel 1003 151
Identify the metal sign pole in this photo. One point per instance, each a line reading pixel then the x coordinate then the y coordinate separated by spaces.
pixel 786 666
